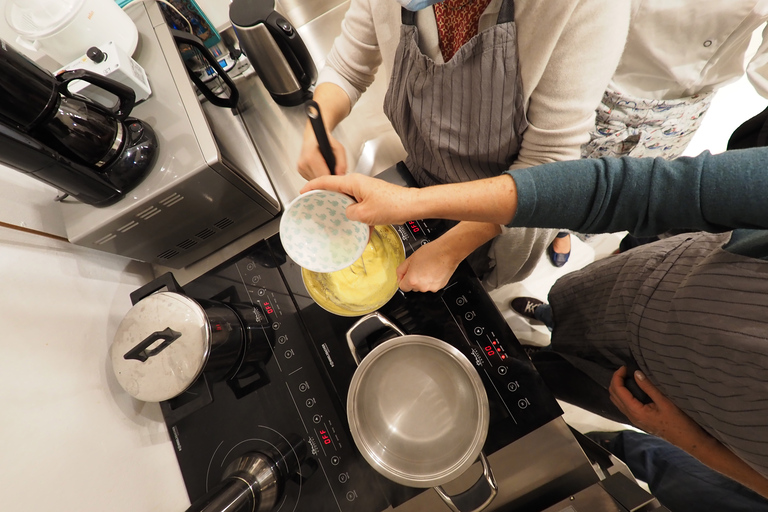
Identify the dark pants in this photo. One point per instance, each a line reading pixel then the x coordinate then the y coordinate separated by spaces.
pixel 678 480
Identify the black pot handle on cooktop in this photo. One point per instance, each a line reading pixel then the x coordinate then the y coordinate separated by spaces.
pixel 164 281
pixel 187 38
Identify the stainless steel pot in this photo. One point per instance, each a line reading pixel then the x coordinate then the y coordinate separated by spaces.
pixel 167 340
pixel 418 412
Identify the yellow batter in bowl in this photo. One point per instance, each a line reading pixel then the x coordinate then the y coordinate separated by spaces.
pixel 367 284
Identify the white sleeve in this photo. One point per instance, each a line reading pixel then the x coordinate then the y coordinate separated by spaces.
pixel 757 69
pixel 577 56
pixel 355 55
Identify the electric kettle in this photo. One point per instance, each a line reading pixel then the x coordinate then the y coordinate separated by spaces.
pixel 275 49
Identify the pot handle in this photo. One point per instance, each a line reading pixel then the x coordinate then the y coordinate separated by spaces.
pixel 164 281
pixel 477 497
pixel 365 327
pixel 141 352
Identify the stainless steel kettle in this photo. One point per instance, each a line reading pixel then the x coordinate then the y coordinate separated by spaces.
pixel 275 49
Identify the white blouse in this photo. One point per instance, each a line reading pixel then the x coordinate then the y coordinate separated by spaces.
pixel 677 48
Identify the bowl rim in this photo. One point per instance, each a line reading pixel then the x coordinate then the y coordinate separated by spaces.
pixel 282 225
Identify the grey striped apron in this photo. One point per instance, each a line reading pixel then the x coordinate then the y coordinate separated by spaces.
pixel 693 316
pixel 462 120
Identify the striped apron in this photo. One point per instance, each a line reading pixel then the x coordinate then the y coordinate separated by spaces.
pixel 693 316
pixel 462 120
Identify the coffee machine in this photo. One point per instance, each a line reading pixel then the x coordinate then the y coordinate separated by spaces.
pixel 92 152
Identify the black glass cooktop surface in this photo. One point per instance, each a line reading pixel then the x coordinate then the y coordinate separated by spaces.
pixel 297 368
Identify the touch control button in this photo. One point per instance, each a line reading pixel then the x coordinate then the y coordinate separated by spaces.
pixel 285 26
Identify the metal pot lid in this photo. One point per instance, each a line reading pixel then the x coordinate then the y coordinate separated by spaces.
pixel 161 346
pixel 418 411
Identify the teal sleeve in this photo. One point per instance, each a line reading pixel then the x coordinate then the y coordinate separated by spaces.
pixel 646 196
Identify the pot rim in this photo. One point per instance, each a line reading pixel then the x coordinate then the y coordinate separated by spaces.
pixel 450 471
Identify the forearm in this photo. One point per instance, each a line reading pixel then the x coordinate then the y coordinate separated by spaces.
pixel 714 454
pixel 461 240
pixel 492 200
pixel 646 196
pixel 334 104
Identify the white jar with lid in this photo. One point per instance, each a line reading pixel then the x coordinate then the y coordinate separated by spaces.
pixel 65 29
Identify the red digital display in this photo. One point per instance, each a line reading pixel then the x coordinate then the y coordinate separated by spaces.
pixel 413 226
pixel 324 436
pixel 489 350
pixel 268 308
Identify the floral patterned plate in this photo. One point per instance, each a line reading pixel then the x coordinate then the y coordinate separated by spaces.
pixel 316 233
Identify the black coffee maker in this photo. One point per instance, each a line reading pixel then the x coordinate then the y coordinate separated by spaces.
pixel 92 152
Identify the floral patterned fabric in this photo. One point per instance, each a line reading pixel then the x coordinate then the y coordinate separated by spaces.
pixel 457 22
pixel 638 127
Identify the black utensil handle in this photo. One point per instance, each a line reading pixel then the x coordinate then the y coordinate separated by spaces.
pixel 316 120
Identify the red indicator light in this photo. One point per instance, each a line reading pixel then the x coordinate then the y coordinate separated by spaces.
pixel 494 343
pixel 503 356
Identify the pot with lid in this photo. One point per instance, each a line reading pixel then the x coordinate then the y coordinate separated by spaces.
pixel 168 340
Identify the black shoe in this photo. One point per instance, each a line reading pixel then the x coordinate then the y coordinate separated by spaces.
pixel 558 259
pixel 525 306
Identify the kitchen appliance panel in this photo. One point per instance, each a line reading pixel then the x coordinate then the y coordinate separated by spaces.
pixel 192 164
pixel 281 391
pixel 171 232
pixel 301 387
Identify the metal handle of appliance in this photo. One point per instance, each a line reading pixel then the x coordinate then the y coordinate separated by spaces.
pixel 125 95
pixel 254 482
pixel 297 56
pixel 477 497
pixel 365 327
pixel 141 353
pixel 250 485
pixel 318 126
pixel 164 281
pixel 187 38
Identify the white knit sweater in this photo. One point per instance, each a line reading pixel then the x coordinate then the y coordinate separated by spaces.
pixel 568 51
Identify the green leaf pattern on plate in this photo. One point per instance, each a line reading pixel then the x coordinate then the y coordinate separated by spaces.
pixel 317 234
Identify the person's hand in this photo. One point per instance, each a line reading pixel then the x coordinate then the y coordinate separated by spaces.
pixel 660 417
pixel 311 163
pixel 428 269
pixel 378 202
